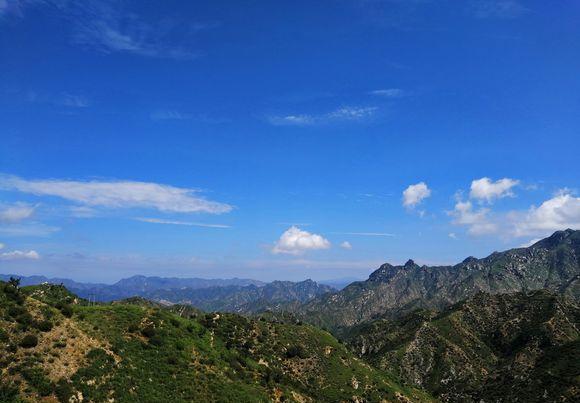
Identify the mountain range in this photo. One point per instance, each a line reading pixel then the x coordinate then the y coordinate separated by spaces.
pixel 391 291
pixel 230 295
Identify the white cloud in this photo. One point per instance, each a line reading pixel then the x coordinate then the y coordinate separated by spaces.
pixel 452 235
pixel 478 221
pixel 18 255
pixel 346 245
pixel 1 246
pixel 74 101
pixel 295 241
pixel 488 190
pixel 350 113
pixel 343 114
pixel 16 212
pixel 175 222
pixel 170 115
pixel 389 93
pixel 118 194
pixel 560 212
pixel 414 194
pixel 557 213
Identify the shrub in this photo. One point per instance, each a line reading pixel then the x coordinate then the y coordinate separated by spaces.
pixel 8 393
pixel 66 310
pixel 296 351
pixel 44 325
pixel 29 341
pixel 64 391
pixel 148 331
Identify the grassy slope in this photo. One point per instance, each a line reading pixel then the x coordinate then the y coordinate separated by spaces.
pixel 136 351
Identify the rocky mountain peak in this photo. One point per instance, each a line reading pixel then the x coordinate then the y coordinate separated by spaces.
pixel 410 264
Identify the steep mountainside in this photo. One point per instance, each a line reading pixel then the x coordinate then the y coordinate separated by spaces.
pixel 250 299
pixel 491 348
pixel 553 263
pixel 54 346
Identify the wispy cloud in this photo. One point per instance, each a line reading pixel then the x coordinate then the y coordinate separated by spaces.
pixel 343 114
pixel 109 27
pixel 118 194
pixel 15 212
pixel 28 230
pixel 389 93
pixel 74 101
pixel 170 115
pixel 497 9
pixel 175 222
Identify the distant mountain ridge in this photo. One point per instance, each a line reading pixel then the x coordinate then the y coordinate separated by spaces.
pixel 227 295
pixel 552 263
pixel 248 299
pixel 133 286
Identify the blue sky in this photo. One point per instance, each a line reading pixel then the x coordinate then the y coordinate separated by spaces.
pixel 282 140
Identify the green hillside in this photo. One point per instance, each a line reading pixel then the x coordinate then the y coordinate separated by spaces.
pixel 57 347
pixel 493 348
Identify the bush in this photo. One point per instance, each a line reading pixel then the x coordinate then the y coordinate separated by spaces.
pixel 67 310
pixel 8 393
pixel 64 391
pixel 148 331
pixel 296 351
pixel 29 341
pixel 44 325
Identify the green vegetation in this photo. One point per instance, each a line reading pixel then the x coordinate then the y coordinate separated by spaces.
pixel 56 345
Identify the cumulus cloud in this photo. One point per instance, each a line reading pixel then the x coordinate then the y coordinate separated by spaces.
pixel 16 212
pixel 415 194
pixel 295 241
pixel 487 190
pixel 477 220
pixel 175 222
pixel 343 114
pixel 19 255
pixel 119 194
pixel 560 212
pixel 557 213
pixel 346 245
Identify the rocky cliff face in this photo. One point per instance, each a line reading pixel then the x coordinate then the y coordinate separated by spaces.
pixel 503 348
pixel 552 263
